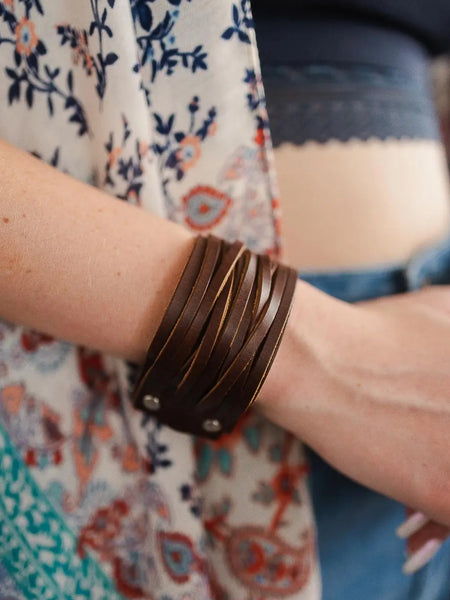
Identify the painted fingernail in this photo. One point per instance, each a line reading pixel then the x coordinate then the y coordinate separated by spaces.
pixel 415 522
pixel 420 558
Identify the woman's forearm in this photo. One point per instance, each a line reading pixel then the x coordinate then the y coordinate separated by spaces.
pixel 80 264
pixel 90 269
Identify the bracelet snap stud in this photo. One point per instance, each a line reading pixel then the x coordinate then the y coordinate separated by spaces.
pixel 151 402
pixel 211 425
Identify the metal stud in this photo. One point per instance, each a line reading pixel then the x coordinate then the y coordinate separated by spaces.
pixel 151 402
pixel 211 425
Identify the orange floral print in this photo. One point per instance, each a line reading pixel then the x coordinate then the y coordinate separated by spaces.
pixel 143 148
pixel 81 52
pixel 212 129
pixel 26 37
pixel 259 137
pixel 113 156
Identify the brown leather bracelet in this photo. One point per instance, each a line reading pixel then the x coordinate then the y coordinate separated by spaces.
pixel 188 329
pixel 237 400
pixel 250 347
pixel 214 348
pixel 203 267
pixel 200 359
pixel 175 335
pixel 184 288
pixel 230 257
pixel 246 393
pixel 214 355
pixel 262 292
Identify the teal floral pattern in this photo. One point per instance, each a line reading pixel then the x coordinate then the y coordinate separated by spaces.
pixel 38 548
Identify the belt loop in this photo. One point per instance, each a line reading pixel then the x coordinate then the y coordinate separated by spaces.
pixel 418 271
pixel 412 271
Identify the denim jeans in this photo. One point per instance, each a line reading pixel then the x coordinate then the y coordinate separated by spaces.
pixel 361 558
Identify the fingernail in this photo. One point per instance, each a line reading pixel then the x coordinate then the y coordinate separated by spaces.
pixel 415 522
pixel 420 558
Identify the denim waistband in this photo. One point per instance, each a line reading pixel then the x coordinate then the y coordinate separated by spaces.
pixel 430 264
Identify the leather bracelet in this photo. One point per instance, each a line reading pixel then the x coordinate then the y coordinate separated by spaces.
pixel 230 383
pixel 218 338
pixel 199 375
pixel 188 328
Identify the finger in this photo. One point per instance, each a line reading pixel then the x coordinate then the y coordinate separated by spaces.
pixel 422 556
pixel 415 521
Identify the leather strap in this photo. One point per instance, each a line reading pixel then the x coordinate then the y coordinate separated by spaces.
pixel 200 359
pixel 183 291
pixel 243 359
pixel 243 396
pixel 217 339
pixel 208 364
pixel 179 313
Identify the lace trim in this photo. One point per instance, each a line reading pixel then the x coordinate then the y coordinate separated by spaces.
pixel 323 102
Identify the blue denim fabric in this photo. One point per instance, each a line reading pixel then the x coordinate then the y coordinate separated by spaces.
pixel 361 558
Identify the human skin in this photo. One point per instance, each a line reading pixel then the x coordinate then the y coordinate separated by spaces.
pixel 360 203
pixel 360 383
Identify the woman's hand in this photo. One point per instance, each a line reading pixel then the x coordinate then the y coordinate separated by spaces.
pixel 367 385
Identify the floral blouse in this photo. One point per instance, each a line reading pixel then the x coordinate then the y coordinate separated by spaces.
pixel 160 103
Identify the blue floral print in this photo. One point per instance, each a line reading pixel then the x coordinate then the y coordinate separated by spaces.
pixel 78 40
pixel 242 20
pixel 178 149
pixel 156 41
pixel 27 75
pixel 125 164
